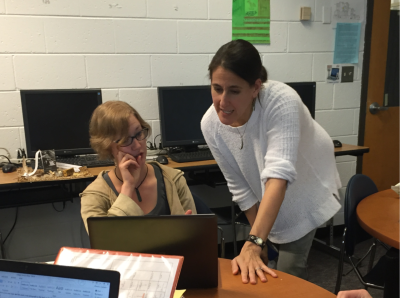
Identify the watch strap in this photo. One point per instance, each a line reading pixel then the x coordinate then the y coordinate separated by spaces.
pixel 256 240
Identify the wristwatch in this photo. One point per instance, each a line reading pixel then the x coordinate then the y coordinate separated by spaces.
pixel 256 240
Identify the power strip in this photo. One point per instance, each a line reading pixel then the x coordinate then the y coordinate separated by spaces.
pixel 153 152
pixel 17 161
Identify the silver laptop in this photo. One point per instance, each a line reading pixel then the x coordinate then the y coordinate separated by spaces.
pixel 192 236
pixel 25 279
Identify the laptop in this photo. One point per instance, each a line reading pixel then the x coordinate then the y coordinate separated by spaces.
pixel 192 236
pixel 24 279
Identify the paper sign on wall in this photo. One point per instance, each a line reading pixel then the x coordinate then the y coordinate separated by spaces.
pixel 347 43
pixel 348 11
pixel 251 21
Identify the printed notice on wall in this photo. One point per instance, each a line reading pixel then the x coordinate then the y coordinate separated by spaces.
pixel 348 11
pixel 251 21
pixel 347 43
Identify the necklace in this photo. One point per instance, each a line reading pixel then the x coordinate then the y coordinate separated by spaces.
pixel 241 136
pixel 136 188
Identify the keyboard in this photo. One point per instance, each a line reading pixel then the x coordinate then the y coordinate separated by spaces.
pixel 191 156
pixel 90 161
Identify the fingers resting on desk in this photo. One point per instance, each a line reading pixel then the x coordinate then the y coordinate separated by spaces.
pixel 251 266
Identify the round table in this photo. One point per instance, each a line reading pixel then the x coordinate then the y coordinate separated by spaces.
pixel 285 285
pixel 378 214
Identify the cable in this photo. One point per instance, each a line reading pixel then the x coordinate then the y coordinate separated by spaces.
pixel 6 158
pixel 8 152
pixel 57 209
pixel 155 138
pixel 12 228
pixel 151 147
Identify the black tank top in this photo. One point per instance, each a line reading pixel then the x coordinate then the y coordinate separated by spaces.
pixel 162 206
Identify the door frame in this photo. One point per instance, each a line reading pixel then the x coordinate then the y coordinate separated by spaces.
pixel 364 80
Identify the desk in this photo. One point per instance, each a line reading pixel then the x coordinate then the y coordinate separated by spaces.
pixel 285 285
pixel 52 191
pixel 378 214
pixel 9 180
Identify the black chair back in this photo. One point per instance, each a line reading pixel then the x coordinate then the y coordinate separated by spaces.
pixel 359 187
pixel 201 207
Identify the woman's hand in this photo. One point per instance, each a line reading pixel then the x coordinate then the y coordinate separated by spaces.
pixel 189 212
pixel 129 168
pixel 354 294
pixel 250 264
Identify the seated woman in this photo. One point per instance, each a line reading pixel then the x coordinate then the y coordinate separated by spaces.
pixel 133 187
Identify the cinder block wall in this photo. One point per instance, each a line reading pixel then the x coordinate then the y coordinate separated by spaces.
pixel 128 48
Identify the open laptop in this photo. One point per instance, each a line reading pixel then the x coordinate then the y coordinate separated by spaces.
pixel 192 236
pixel 24 279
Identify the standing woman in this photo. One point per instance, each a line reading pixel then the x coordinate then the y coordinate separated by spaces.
pixel 278 162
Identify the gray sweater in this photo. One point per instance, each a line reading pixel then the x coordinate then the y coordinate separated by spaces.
pixel 281 141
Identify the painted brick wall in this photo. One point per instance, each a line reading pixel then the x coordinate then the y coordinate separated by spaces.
pixel 128 48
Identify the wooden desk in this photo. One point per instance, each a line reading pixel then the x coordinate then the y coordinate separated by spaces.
pixel 53 191
pixel 352 150
pixel 11 178
pixel 378 214
pixel 285 285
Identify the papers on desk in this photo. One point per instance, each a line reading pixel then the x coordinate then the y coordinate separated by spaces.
pixel 151 157
pixel 61 165
pixel 179 293
pixel 142 275
pixel 396 188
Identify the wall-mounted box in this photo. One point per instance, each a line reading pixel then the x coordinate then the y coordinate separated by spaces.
pixel 305 13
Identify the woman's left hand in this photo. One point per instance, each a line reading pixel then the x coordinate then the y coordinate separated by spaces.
pixel 250 264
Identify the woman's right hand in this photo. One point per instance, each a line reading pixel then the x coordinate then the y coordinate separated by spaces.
pixel 129 168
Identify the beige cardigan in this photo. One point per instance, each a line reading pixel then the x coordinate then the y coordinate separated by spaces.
pixel 99 200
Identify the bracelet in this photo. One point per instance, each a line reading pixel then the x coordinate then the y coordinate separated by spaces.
pixel 256 240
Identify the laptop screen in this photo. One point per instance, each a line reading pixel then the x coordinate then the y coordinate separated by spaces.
pixel 14 285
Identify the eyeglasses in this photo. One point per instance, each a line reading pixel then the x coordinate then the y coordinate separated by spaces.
pixel 140 136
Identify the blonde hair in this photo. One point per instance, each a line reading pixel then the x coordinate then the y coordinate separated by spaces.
pixel 109 122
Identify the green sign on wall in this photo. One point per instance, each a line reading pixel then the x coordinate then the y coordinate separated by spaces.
pixel 251 20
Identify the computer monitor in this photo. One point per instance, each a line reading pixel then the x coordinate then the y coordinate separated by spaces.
pixel 58 120
pixel 306 91
pixel 181 109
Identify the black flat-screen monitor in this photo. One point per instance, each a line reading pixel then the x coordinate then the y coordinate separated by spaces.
pixel 182 108
pixel 58 120
pixel 306 91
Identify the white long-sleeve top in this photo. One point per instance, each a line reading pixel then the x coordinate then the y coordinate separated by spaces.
pixel 281 140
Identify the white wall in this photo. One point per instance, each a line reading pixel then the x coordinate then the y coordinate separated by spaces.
pixel 128 48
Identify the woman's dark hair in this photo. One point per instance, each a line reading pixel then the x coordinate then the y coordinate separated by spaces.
pixel 241 58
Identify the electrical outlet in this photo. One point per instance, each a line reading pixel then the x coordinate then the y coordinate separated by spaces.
pixel 347 74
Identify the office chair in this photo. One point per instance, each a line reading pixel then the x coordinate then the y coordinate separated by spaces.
pixel 202 208
pixel 358 188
